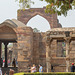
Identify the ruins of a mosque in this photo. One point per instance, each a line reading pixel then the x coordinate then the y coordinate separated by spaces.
pixel 53 49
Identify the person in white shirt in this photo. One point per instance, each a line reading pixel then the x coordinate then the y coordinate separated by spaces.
pixel 0 71
pixel 33 69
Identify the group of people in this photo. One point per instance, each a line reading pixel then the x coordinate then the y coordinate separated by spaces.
pixel 14 62
pixel 33 68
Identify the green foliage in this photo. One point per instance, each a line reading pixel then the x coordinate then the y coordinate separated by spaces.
pixel 59 6
pixel 54 6
pixel 24 3
pixel 36 30
pixel 22 73
pixel 51 73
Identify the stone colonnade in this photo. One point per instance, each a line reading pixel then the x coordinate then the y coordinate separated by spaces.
pixel 67 40
pixel 6 50
pixel 5 43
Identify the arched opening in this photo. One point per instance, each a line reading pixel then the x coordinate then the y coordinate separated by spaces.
pixel 39 24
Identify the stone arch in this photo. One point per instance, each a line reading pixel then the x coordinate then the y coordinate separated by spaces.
pixel 38 21
pixel 40 15
pixel 25 15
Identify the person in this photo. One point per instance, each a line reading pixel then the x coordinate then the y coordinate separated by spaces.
pixel 3 63
pixel 6 73
pixel 8 62
pixel 33 69
pixel 0 71
pixel 40 68
pixel 11 72
pixel 29 68
pixel 14 63
pixel 52 68
pixel 72 67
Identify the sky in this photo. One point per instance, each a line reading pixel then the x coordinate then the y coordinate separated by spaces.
pixel 8 10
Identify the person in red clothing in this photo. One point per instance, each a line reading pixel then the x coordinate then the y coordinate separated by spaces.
pixel 3 63
pixel 72 67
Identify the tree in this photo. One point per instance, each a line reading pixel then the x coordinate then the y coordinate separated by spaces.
pixel 54 6
pixel 59 6
pixel 25 3
pixel 36 30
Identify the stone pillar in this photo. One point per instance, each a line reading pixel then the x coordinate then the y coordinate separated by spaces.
pixel 67 40
pixel 0 54
pixel 6 64
pixel 24 48
pixel 48 56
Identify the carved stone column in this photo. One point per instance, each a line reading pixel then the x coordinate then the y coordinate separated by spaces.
pixel 67 40
pixel 6 64
pixel 48 55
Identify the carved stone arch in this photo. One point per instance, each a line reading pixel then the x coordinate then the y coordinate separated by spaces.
pixel 25 15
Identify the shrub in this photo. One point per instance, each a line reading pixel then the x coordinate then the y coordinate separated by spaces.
pixel 22 73
pixel 51 73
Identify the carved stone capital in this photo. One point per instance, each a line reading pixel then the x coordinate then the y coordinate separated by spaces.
pixel 68 58
pixel 48 41
pixel 67 39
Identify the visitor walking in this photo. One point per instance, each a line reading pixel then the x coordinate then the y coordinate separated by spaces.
pixel 0 71
pixel 52 68
pixel 40 68
pixel 33 69
pixel 29 68
pixel 11 72
pixel 3 63
pixel 14 63
pixel 72 67
pixel 8 62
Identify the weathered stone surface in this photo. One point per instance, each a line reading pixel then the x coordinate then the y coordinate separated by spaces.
pixel 58 61
pixel 25 15
pixel 39 48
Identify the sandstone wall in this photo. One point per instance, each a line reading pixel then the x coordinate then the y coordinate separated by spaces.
pixel 39 50
pixel 25 47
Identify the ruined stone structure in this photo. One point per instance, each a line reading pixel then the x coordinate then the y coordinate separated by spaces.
pixel 60 63
pixel 39 39
pixel 46 48
pixel 25 15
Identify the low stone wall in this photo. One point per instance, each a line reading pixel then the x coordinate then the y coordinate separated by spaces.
pixel 6 70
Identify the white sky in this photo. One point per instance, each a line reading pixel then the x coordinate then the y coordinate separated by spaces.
pixel 8 10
